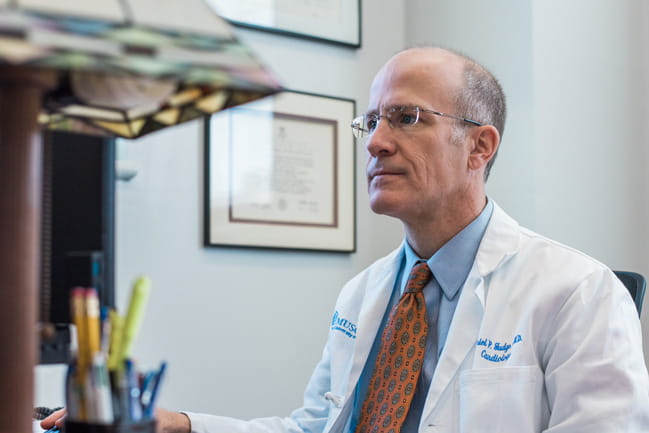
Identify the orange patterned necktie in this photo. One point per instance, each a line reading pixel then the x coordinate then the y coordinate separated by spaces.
pixel 399 361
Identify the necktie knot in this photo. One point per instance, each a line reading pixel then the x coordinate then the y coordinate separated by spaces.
pixel 418 278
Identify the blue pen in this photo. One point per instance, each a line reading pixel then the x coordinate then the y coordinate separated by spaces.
pixel 148 409
pixel 134 404
pixel 72 392
pixel 105 330
pixel 147 388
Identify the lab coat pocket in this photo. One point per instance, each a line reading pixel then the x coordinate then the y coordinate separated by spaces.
pixel 501 399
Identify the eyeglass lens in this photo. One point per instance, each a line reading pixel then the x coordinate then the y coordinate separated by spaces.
pixel 401 117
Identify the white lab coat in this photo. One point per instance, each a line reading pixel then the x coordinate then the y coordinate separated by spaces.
pixel 544 339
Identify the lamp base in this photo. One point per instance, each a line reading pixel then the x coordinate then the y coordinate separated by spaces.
pixel 21 92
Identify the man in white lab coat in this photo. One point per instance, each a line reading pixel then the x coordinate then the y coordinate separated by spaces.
pixel 527 335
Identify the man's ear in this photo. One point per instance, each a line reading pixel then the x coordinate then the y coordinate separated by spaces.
pixel 485 140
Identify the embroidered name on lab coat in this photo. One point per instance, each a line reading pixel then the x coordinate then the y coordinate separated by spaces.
pixel 343 325
pixel 497 351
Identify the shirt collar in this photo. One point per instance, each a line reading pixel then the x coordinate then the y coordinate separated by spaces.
pixel 452 262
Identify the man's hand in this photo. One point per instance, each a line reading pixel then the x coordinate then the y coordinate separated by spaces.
pixel 55 419
pixel 172 422
pixel 167 421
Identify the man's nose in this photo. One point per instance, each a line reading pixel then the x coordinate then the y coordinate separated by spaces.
pixel 381 141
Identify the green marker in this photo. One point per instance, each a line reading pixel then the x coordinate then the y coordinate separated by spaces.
pixel 133 319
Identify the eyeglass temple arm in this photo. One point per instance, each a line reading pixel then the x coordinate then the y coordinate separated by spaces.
pixel 358 127
pixel 439 113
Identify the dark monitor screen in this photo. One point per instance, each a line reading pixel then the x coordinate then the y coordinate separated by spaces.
pixel 77 231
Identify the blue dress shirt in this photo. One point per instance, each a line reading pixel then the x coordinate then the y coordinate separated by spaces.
pixel 450 266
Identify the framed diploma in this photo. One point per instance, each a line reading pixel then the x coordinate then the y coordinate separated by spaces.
pixel 334 21
pixel 280 174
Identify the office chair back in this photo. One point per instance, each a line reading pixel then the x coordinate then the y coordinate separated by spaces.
pixel 636 284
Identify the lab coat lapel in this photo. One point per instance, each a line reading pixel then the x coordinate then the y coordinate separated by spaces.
pixel 462 336
pixel 378 287
pixel 379 290
pixel 499 243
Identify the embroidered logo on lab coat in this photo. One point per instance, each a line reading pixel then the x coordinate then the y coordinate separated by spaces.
pixel 343 325
pixel 497 351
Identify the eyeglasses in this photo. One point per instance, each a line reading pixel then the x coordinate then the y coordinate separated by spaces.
pixel 397 117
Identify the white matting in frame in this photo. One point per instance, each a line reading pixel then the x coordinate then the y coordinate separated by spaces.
pixel 280 174
pixel 335 21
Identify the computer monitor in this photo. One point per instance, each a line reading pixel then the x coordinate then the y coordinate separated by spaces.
pixel 78 229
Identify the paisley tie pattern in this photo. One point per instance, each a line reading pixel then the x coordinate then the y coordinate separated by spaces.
pixel 399 361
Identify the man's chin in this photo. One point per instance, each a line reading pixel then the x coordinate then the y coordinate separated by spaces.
pixel 383 206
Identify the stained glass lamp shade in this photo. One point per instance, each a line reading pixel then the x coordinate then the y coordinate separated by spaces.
pixel 112 67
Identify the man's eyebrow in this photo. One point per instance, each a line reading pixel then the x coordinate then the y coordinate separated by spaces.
pixel 394 107
pixel 397 107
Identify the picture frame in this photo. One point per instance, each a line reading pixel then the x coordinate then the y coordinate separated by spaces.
pixel 331 21
pixel 280 173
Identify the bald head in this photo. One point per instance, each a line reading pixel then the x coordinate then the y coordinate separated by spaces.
pixel 445 64
pixel 435 70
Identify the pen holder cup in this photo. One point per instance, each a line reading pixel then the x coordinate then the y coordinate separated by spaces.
pixel 147 426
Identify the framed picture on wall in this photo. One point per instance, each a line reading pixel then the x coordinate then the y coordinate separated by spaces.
pixel 334 21
pixel 280 174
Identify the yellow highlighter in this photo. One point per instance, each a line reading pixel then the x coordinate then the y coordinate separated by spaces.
pixel 139 297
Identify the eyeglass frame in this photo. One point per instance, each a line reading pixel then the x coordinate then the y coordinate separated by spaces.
pixel 363 132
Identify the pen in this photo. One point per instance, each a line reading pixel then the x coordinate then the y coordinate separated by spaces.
pixel 103 403
pixel 146 388
pixel 149 405
pixel 105 331
pixel 134 403
pixel 119 390
pixel 71 392
pixel 117 324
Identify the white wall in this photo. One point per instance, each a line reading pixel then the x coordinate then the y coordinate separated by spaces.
pixel 590 82
pixel 572 166
pixel 574 153
pixel 589 109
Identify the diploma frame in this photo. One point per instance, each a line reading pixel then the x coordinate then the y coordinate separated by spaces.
pixel 331 21
pixel 280 173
